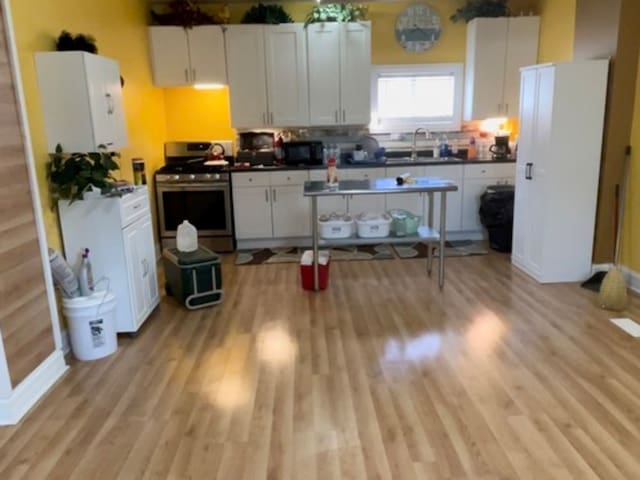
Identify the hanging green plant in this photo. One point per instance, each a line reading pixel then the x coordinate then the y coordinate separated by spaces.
pixel 481 8
pixel 336 12
pixel 70 175
pixel 183 13
pixel 267 14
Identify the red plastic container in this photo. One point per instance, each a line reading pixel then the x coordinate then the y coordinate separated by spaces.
pixel 306 274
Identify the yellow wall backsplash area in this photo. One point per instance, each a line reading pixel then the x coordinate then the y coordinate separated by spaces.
pixel 557 30
pixel 119 27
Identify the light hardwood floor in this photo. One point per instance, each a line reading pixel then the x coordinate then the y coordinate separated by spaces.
pixel 381 376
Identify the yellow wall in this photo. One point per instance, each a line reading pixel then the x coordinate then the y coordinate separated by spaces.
pixel 197 114
pixel 557 30
pixel 631 227
pixel 120 29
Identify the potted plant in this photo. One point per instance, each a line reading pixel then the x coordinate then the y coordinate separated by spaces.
pixel 481 8
pixel 336 12
pixel 267 14
pixel 70 175
pixel 183 13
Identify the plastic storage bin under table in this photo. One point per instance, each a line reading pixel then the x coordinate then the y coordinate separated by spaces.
pixel 193 278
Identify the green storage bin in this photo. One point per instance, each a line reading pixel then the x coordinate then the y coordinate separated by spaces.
pixel 193 278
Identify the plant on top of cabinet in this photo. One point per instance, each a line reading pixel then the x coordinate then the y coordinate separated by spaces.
pixel 272 14
pixel 69 42
pixel 481 8
pixel 337 12
pixel 70 175
pixel 187 14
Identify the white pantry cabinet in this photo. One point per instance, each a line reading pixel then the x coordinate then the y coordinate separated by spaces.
pixel 558 168
pixel 267 71
pixel 339 56
pixel 119 234
pixel 81 100
pixel 496 50
pixel 270 205
pixel 189 56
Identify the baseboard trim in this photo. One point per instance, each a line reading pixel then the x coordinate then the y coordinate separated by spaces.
pixel 32 388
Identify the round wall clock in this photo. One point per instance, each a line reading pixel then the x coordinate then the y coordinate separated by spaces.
pixel 418 28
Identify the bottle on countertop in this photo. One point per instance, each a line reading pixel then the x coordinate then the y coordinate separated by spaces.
pixel 436 148
pixel 472 152
pixel 332 173
pixel 278 148
pixel 444 147
pixel 86 275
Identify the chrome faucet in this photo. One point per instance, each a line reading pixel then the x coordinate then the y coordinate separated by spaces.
pixel 414 149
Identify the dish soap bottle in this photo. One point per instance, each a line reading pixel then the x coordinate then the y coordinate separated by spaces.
pixel 187 237
pixel 86 275
pixel 444 147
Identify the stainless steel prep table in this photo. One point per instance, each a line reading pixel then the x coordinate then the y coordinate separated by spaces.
pixel 428 234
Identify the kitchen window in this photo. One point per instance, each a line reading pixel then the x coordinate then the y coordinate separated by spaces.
pixel 404 97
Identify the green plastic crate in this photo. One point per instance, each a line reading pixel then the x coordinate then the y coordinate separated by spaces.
pixel 193 278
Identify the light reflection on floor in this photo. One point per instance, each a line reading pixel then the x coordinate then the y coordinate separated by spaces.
pixel 423 347
pixel 484 333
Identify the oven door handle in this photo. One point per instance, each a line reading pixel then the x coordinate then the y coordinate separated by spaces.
pixel 179 187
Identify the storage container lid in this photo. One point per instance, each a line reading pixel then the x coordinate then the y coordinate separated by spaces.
pixel 201 255
pixel 373 218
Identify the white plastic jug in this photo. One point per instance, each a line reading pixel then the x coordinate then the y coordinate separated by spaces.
pixel 187 238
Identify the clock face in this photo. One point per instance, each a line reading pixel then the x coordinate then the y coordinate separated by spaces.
pixel 418 28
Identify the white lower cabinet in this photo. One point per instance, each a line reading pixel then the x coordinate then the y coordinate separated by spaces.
pixel 413 202
pixel 476 180
pixel 270 205
pixel 119 234
pixel 365 203
pixel 454 199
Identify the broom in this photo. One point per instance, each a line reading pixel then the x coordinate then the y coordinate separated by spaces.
pixel 613 291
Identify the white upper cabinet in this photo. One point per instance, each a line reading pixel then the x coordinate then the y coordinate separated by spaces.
pixel 339 73
pixel 81 101
pixel 267 75
pixel 496 50
pixel 187 56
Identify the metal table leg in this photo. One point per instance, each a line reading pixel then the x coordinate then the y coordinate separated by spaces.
pixel 443 234
pixel 429 245
pixel 314 230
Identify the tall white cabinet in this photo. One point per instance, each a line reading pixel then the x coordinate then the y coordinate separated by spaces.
pixel 496 50
pixel 339 56
pixel 81 101
pixel 181 56
pixel 267 72
pixel 119 233
pixel 562 110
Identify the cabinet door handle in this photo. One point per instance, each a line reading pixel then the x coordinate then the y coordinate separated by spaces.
pixel 186 74
pixel 274 196
pixel 344 116
pixel 336 115
pixel 110 106
pixel 506 108
pixel 266 195
pixel 193 74
pixel 270 118
pixel 527 171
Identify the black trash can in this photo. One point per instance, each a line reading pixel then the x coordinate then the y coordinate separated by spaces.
pixel 496 214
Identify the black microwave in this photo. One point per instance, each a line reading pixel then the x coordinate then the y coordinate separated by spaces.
pixel 303 153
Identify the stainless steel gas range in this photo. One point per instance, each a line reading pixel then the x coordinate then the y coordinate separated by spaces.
pixel 189 187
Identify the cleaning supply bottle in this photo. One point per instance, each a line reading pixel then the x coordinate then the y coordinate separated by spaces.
pixel 187 237
pixel 444 147
pixel 472 152
pixel 86 275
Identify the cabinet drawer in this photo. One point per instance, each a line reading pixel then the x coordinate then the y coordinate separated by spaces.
pixel 251 179
pixel 320 175
pixel 446 172
pixel 289 178
pixel 493 170
pixel 362 173
pixel 134 206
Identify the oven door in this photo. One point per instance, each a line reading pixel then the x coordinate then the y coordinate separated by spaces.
pixel 205 206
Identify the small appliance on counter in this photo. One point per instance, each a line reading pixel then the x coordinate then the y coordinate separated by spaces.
pixel 256 148
pixel 305 153
pixel 500 150
pixel 194 185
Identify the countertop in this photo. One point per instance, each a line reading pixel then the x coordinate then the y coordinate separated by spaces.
pixel 394 163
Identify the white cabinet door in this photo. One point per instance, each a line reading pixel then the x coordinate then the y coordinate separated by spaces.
pixel 244 45
pixel 117 122
pixel 206 52
pixel 327 205
pixel 134 256
pixel 169 56
pixel 413 202
pixel 454 199
pixel 364 203
pixel 147 249
pixel 522 51
pixel 485 67
pixel 323 43
pixel 286 63
pixel 291 212
pixel 252 211
pixel 355 71
pixel 472 191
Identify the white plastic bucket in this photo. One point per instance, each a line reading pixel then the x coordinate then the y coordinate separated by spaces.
pixel 92 325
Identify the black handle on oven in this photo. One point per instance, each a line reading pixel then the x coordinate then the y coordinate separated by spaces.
pixel 527 171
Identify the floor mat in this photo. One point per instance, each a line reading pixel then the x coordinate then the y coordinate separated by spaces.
pixel 293 254
pixel 452 249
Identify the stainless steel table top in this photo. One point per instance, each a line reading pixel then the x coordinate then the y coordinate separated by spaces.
pixel 378 185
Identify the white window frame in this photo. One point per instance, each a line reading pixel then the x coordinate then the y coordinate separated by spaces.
pixel 409 124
